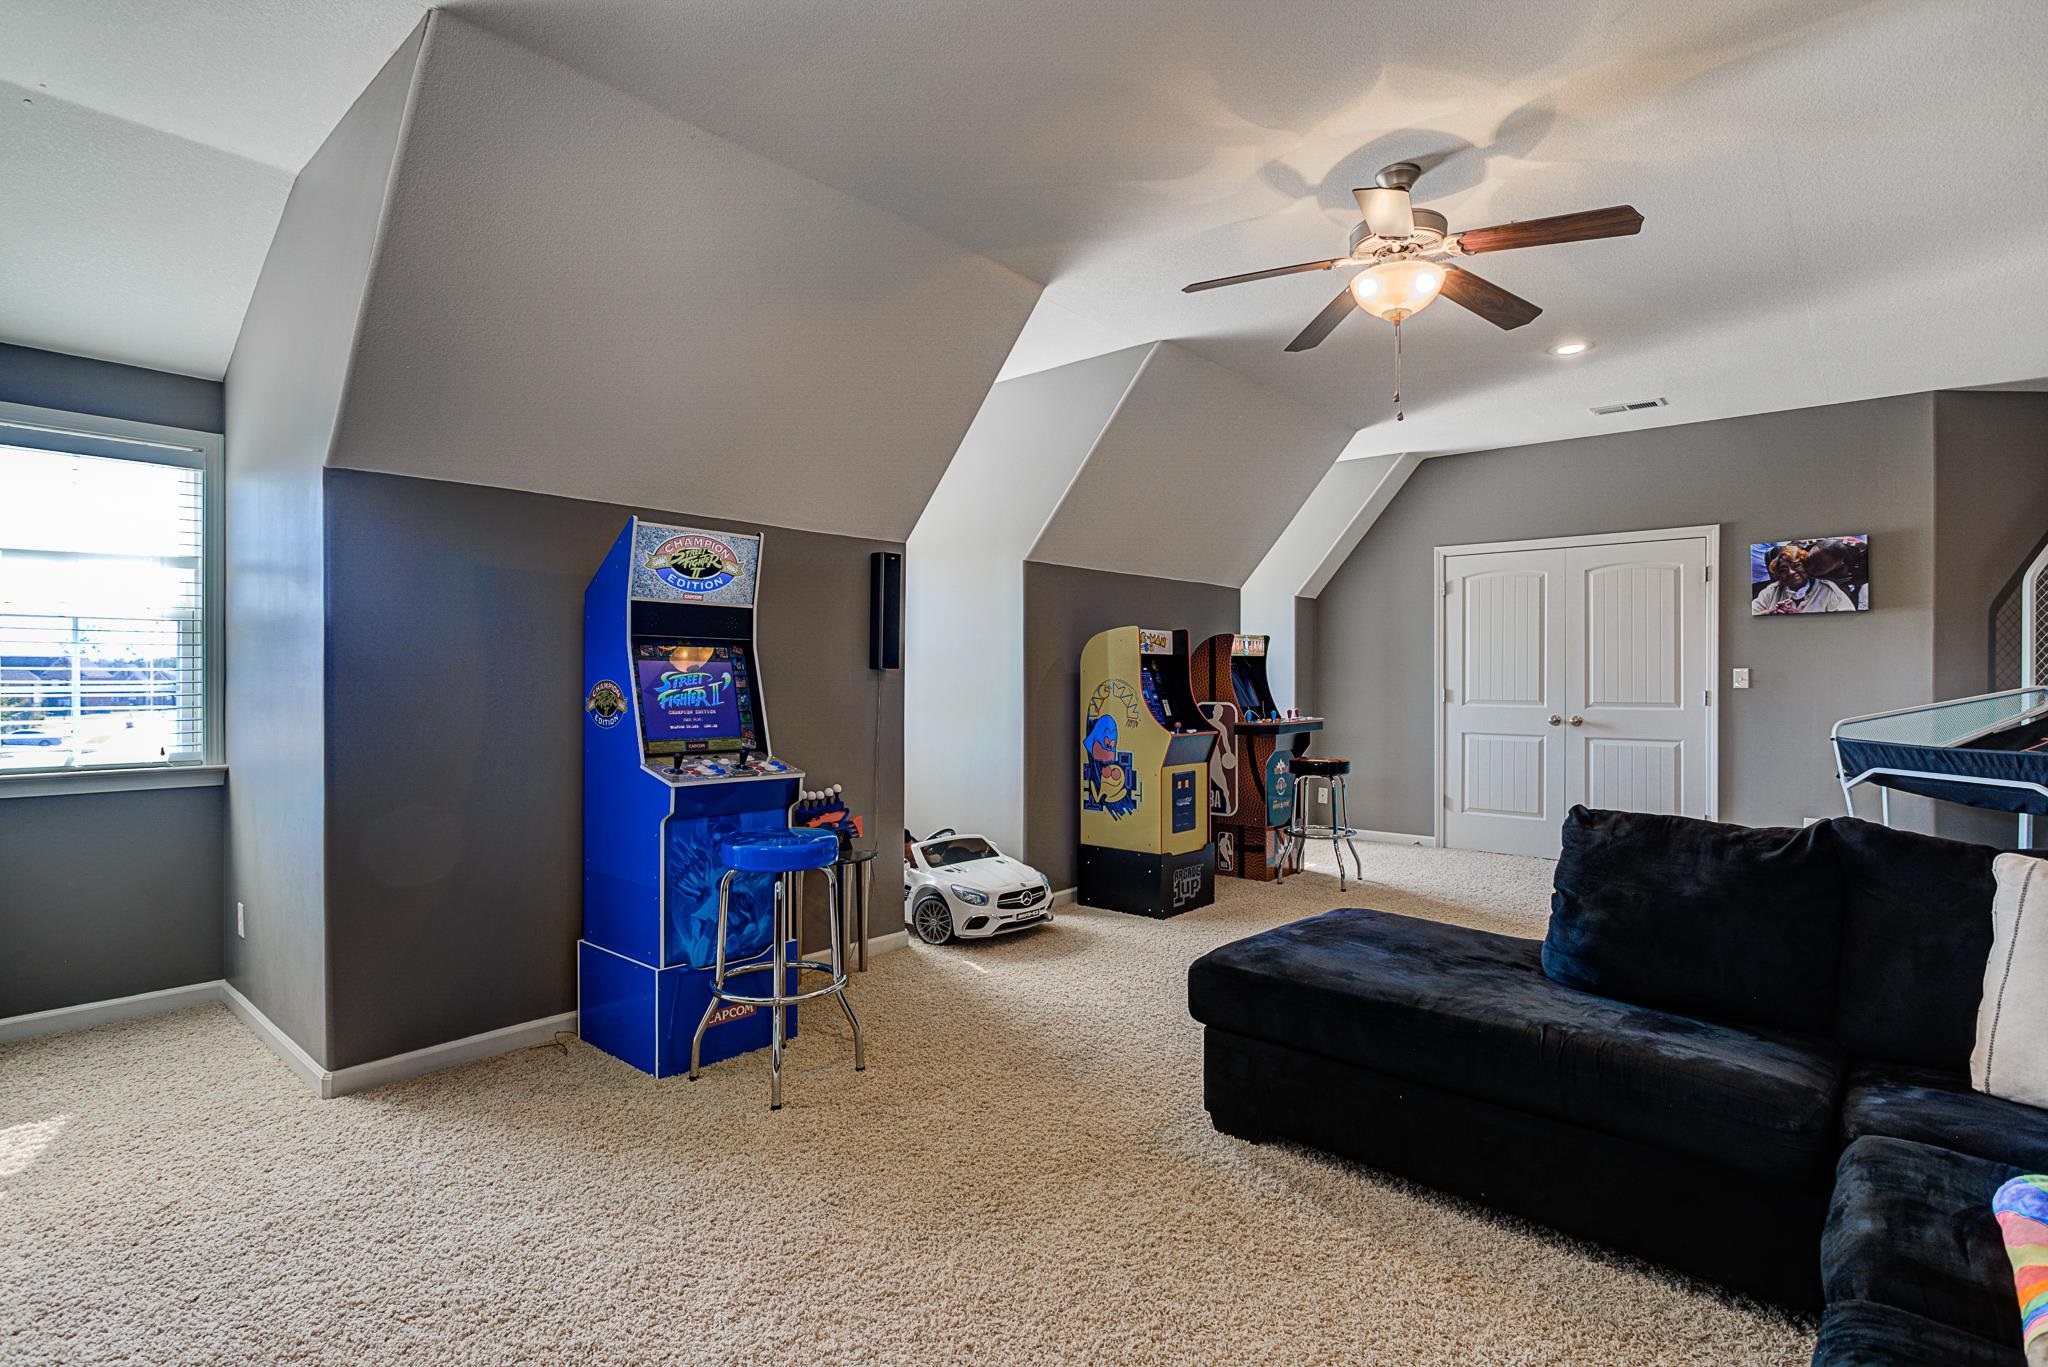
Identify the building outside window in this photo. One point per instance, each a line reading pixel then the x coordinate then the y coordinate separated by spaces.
pixel 109 595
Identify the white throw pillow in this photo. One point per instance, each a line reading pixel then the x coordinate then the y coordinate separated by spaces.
pixel 2011 1057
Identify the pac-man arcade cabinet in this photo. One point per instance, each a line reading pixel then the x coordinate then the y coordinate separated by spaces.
pixel 675 758
pixel 1144 777
pixel 1251 787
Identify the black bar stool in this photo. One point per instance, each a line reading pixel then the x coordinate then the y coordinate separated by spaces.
pixel 1330 773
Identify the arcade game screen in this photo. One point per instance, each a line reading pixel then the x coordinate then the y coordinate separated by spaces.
pixel 1252 699
pixel 694 696
pixel 1159 693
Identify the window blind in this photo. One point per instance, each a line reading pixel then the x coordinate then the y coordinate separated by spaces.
pixel 103 655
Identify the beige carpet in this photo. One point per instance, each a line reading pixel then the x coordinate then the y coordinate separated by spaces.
pixel 1024 1174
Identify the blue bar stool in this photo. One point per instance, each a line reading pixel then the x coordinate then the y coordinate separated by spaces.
pixel 784 854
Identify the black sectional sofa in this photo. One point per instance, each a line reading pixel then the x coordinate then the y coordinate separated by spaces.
pixel 1738 1052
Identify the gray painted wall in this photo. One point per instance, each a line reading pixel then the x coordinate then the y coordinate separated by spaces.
pixel 108 894
pixel 79 384
pixel 454 741
pixel 1063 607
pixel 1852 467
pixel 284 392
pixel 1990 512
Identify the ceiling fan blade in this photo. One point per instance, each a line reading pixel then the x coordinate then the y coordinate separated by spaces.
pixel 1619 221
pixel 1388 210
pixel 1324 323
pixel 1487 299
pixel 1261 275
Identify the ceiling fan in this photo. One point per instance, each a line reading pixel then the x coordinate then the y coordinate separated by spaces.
pixel 1407 254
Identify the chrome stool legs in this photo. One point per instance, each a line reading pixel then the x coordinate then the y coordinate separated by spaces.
pixel 779 998
pixel 1339 832
pixel 785 896
pixel 833 918
pixel 860 1061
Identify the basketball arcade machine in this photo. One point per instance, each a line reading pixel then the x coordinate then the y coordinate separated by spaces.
pixel 675 758
pixel 1251 783
pixel 1144 760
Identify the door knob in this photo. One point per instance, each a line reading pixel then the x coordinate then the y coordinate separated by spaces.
pixel 1555 719
pixel 1578 720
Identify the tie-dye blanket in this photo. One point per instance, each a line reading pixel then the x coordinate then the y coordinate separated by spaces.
pixel 2021 1206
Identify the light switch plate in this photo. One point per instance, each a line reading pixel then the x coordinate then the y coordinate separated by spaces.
pixel 1742 678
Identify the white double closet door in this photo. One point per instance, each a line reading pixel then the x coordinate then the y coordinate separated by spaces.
pixel 1574 672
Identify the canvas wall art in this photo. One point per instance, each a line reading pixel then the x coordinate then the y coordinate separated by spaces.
pixel 1810 574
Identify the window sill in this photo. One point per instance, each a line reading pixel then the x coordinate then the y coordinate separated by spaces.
pixel 73 782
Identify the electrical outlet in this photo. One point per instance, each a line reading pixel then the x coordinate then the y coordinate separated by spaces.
pixel 1811 820
pixel 241 927
pixel 1742 678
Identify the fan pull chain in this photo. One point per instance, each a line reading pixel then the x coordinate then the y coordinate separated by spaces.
pixel 1399 415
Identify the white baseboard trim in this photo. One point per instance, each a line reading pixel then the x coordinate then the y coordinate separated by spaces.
pixel 330 1083
pixel 434 1057
pixel 276 1041
pixel 1396 838
pixel 877 944
pixel 1065 897
pixel 323 1082
pixel 63 1019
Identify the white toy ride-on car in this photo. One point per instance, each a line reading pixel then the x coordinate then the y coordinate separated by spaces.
pixel 962 886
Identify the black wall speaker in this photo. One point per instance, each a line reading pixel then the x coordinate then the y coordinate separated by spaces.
pixel 885 610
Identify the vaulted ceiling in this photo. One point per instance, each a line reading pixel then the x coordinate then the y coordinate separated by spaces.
pixel 148 149
pixel 1843 197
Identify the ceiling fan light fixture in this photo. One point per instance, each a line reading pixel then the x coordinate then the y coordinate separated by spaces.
pixel 1571 348
pixel 1395 290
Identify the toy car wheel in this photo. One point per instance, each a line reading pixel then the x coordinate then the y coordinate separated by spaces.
pixel 933 922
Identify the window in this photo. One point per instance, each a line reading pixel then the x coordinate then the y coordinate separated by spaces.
pixel 108 570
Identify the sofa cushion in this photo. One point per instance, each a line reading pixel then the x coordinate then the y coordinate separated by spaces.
pixel 1472 1013
pixel 1916 929
pixel 1910 1226
pixel 1933 1106
pixel 1862 1334
pixel 2010 1057
pixel 1728 923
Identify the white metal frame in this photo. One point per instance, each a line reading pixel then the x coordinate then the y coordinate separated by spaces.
pixel 1884 794
pixel 156 444
pixel 1708 532
pixel 2030 626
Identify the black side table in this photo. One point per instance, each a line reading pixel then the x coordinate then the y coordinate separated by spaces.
pixel 853 872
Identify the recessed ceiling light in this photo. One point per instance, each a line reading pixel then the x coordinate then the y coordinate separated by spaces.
pixel 1570 348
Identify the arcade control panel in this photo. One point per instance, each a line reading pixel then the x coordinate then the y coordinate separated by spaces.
pixel 1252 722
pixel 708 768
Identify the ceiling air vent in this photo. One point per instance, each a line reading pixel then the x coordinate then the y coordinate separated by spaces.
pixel 1606 409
